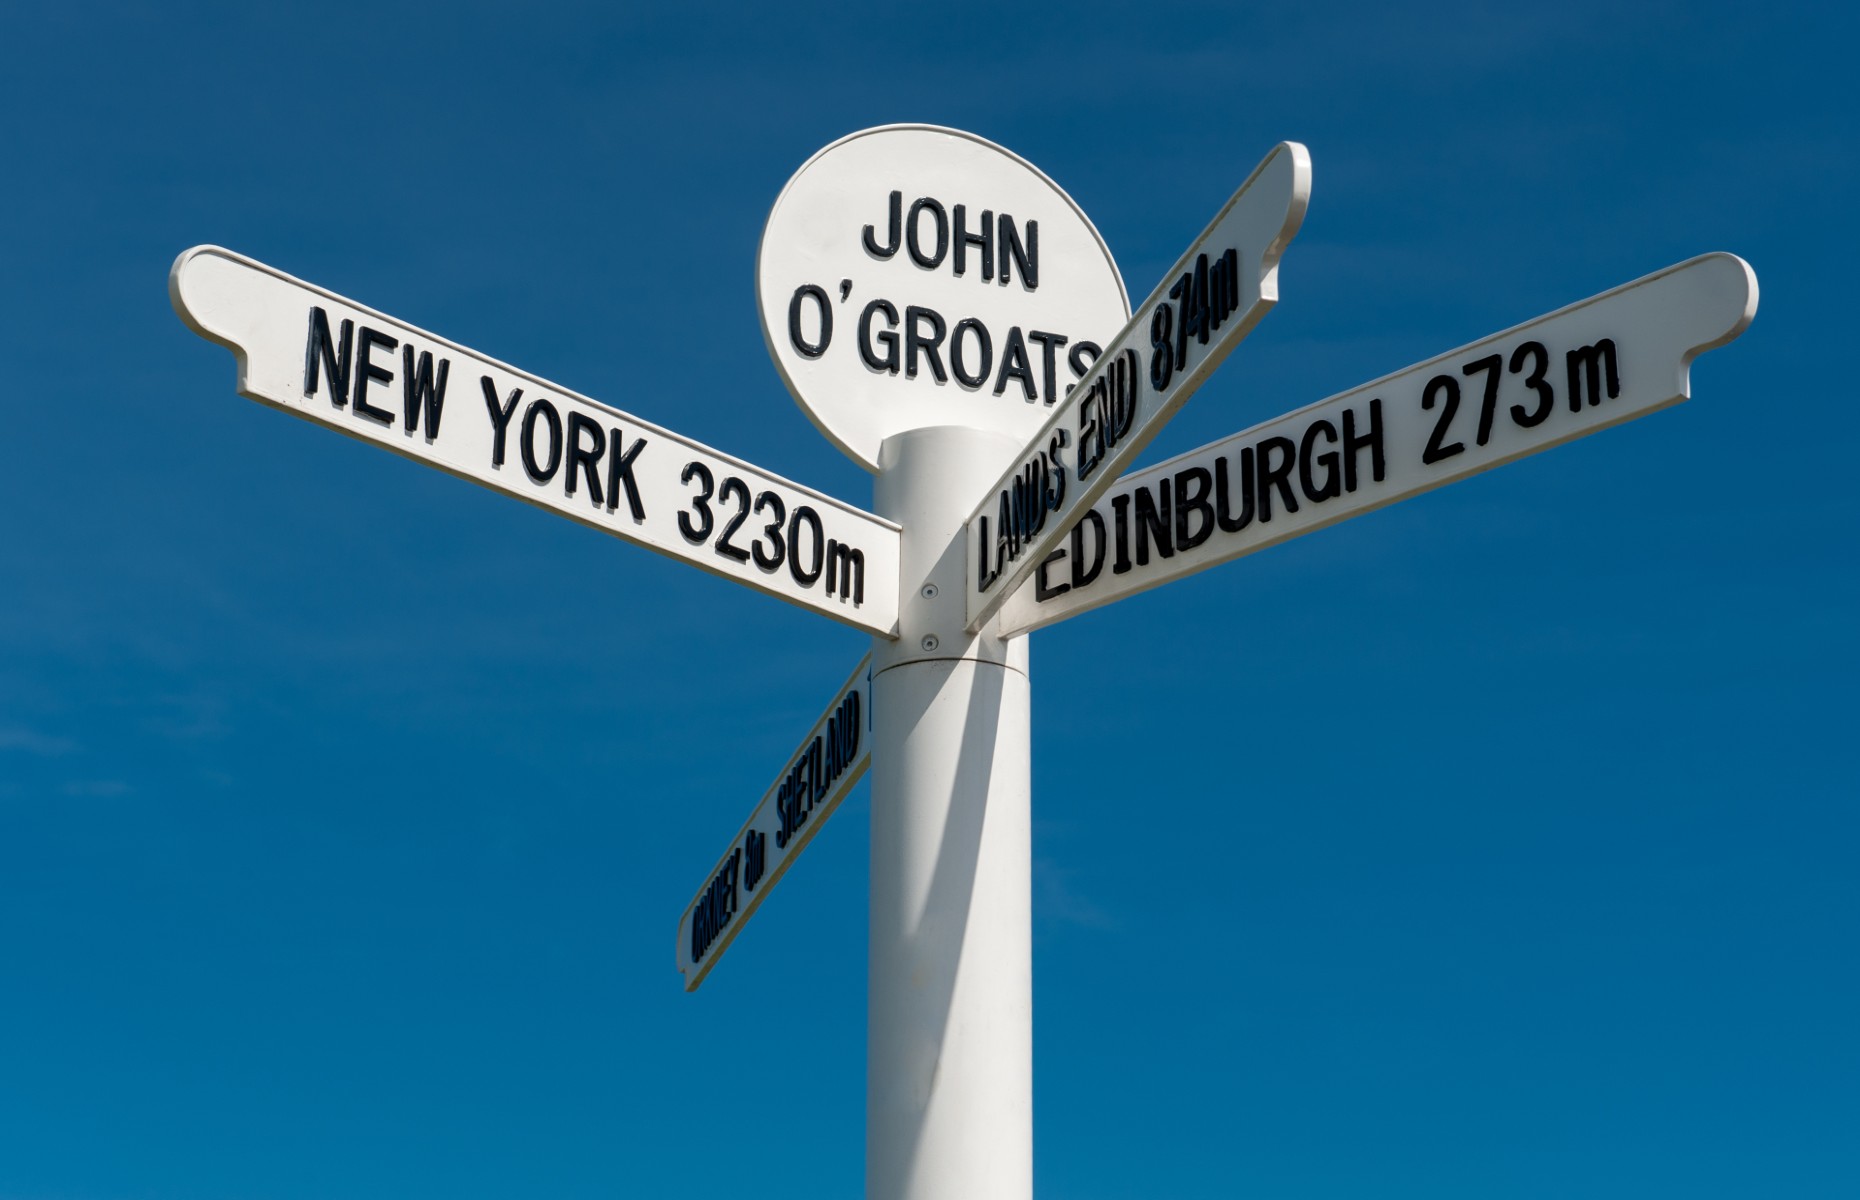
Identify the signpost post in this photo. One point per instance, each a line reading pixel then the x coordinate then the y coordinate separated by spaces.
pixel 950 319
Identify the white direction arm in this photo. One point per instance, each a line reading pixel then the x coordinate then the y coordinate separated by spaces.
pixel 1224 283
pixel 1597 363
pixel 372 377
pixel 830 760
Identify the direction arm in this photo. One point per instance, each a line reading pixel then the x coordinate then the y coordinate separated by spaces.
pixel 1597 363
pixel 1213 296
pixel 369 376
pixel 831 759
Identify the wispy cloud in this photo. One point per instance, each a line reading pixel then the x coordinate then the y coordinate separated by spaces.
pixel 1055 897
pixel 96 788
pixel 31 741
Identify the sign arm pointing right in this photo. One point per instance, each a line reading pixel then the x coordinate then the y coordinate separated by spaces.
pixel 1212 298
pixel 1581 369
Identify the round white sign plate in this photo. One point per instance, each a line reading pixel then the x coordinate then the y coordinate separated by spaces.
pixel 912 276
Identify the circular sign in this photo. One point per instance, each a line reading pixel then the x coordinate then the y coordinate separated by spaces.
pixel 912 276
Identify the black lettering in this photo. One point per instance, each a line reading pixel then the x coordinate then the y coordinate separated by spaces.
pixel 368 371
pixel 891 247
pixel 1085 577
pixel 796 338
pixel 1193 503
pixel 1491 364
pixel 806 575
pixel 538 472
pixel 419 391
pixel 1080 358
pixel 985 575
pixel 1585 363
pixel 1029 502
pixel 319 352
pixel 771 559
pixel 1014 253
pixel 695 532
pixel 1049 346
pixel 1091 438
pixel 984 241
pixel 972 326
pixel 1014 365
pixel 1195 316
pixel 732 486
pixel 1007 543
pixel 1224 286
pixel 886 338
pixel 1162 346
pixel 585 460
pixel 1056 489
pixel 912 226
pixel 500 416
pixel 1223 511
pixel 846 567
pixel 1353 443
pixel 1546 395
pixel 1154 521
pixel 1043 590
pixel 1123 380
pixel 931 345
pixel 1333 485
pixel 1120 524
pixel 620 476
pixel 1279 476
pixel 1449 391
pixel 755 859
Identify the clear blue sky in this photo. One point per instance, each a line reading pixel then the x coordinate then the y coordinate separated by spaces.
pixel 1499 844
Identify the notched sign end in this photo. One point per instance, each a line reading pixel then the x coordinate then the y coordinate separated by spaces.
pixel 193 302
pixel 1294 161
pixel 1727 300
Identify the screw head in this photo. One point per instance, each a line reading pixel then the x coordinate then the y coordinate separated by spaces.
pixel 930 642
pixel 929 591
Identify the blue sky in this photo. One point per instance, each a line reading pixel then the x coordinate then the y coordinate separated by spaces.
pixel 1498 844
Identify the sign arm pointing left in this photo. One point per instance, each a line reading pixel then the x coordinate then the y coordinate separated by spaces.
pixel 829 762
pixel 372 377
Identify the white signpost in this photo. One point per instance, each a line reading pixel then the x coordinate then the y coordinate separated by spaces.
pixel 1605 360
pixel 912 276
pixel 938 307
pixel 365 374
pixel 830 760
pixel 1215 294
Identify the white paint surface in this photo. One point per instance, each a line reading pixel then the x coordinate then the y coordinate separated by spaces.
pixel 263 315
pixel 1657 324
pixel 766 821
pixel 816 236
pixel 1257 222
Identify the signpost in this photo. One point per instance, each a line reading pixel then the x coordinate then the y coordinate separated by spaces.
pixel 1225 281
pixel 1605 360
pixel 365 374
pixel 830 760
pixel 912 276
pixel 950 319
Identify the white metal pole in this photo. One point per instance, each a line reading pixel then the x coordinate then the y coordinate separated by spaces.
pixel 949 1034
